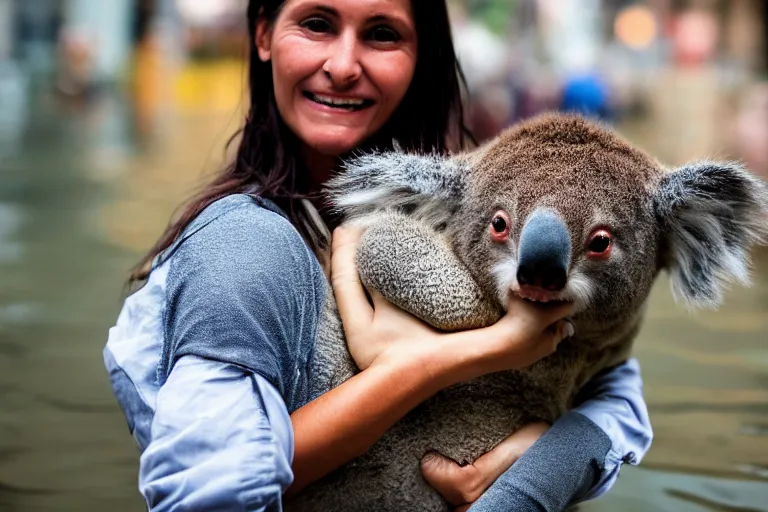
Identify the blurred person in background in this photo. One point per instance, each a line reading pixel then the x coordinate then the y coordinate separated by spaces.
pixel 586 94
pixel 749 135
pixel 485 59
pixel 75 66
pixel 209 359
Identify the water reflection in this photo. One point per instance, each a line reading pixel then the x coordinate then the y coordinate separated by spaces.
pixel 10 222
pixel 661 491
pixel 13 106
pixel 84 194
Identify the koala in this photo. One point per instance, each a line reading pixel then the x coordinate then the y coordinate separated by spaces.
pixel 555 209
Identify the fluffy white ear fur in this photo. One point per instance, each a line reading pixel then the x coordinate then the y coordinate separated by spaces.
pixel 711 214
pixel 427 186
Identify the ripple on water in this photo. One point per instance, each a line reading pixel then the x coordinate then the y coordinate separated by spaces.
pixel 754 430
pixel 19 314
pixel 667 491
pixel 757 470
pixel 11 219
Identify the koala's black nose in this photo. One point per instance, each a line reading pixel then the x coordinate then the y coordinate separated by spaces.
pixel 544 252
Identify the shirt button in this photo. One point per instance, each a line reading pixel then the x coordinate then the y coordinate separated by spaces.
pixel 630 458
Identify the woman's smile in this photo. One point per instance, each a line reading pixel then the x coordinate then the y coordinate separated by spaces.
pixel 338 104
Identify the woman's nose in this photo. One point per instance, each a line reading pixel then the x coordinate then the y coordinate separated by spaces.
pixel 343 67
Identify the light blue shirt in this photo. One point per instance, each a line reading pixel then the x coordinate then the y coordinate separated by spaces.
pixel 207 363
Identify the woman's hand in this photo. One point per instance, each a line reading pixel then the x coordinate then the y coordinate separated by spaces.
pixel 462 485
pixel 368 330
pixel 385 333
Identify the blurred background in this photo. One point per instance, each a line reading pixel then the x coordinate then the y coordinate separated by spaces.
pixel 113 111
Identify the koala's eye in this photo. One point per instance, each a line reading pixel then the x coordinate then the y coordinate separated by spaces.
pixel 600 244
pixel 500 226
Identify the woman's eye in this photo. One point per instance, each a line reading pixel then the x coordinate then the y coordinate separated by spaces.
pixel 384 34
pixel 318 25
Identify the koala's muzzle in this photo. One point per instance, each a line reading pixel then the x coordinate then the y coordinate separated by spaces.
pixel 544 252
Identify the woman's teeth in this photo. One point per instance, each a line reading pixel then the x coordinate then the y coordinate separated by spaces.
pixel 343 103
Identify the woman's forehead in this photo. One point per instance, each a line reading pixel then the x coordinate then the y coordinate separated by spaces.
pixel 364 9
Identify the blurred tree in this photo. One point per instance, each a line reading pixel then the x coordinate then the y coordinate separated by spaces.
pixel 495 14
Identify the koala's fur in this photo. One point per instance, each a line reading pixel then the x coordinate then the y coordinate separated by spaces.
pixel 428 250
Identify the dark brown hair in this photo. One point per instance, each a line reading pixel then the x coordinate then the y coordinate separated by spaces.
pixel 430 118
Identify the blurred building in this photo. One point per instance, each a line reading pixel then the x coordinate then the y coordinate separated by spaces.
pixel 6 29
pixel 103 27
pixel 34 31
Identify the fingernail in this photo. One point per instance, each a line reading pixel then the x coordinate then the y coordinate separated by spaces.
pixel 570 330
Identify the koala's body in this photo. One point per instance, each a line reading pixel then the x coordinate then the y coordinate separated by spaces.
pixel 555 209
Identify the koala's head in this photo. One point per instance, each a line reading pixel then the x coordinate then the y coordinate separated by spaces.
pixel 560 208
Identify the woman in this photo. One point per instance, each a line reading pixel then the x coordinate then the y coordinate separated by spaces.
pixel 209 359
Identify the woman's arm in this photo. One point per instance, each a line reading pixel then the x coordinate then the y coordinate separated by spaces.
pixel 614 401
pixel 218 441
pixel 345 422
pixel 563 464
pixel 577 459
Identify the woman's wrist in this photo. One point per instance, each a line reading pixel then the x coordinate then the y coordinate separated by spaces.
pixel 440 363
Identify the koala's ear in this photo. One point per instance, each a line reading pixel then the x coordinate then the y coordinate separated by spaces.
pixel 429 184
pixel 710 214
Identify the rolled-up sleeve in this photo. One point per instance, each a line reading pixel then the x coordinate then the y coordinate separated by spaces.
pixel 613 400
pixel 221 440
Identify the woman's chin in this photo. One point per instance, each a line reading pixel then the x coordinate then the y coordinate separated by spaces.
pixel 335 146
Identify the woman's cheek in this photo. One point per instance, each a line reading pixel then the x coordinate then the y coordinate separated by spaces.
pixel 297 57
pixel 394 75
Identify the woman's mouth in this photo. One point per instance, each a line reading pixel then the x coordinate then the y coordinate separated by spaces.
pixel 346 104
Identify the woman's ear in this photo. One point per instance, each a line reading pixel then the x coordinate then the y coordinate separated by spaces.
pixel 263 38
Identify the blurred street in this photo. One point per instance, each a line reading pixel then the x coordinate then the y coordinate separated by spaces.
pixel 96 157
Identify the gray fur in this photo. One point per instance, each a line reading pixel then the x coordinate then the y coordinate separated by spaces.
pixel 426 186
pixel 711 212
pixel 699 221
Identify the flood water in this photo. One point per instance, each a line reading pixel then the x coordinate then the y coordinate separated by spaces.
pixel 82 193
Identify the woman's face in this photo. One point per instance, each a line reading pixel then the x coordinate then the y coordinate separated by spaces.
pixel 340 67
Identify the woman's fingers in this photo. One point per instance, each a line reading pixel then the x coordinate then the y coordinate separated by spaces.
pixel 462 485
pixel 550 339
pixel 527 333
pixel 456 484
pixel 355 311
pixel 494 463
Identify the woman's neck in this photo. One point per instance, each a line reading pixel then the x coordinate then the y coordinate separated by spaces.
pixel 320 167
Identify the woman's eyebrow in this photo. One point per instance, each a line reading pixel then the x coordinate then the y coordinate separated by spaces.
pixel 379 17
pixel 376 18
pixel 324 8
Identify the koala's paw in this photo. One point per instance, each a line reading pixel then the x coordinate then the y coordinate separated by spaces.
pixel 415 269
